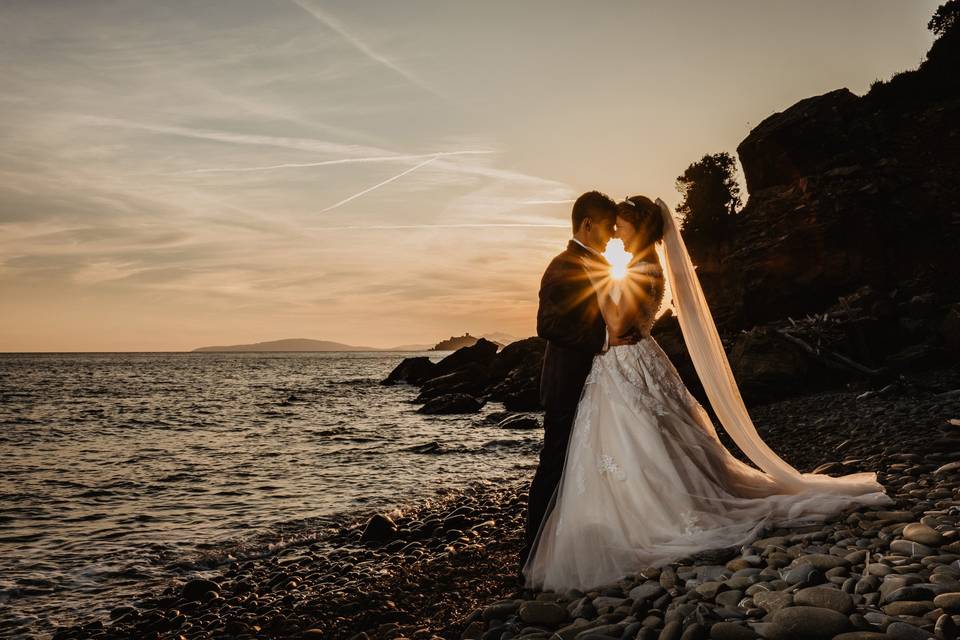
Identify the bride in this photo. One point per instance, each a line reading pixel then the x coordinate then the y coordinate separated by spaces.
pixel 646 481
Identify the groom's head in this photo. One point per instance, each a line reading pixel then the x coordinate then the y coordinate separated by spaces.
pixel 594 217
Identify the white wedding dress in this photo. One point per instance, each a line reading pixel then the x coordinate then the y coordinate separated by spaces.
pixel 646 480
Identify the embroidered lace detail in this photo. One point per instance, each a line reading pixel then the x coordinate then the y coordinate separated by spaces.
pixel 606 464
pixel 689 520
pixel 580 481
pixel 649 276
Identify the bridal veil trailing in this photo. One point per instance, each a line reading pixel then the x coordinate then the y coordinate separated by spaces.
pixel 646 480
pixel 713 368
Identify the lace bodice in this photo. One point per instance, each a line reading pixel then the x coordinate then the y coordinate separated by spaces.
pixel 647 278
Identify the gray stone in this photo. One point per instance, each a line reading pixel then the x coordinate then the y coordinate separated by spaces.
pixel 810 623
pixel 923 534
pixel 549 614
pixel 731 631
pixel 948 602
pixel 729 599
pixel 904 631
pixel 910 592
pixel 946 628
pixel 646 591
pixel 910 549
pixel 709 590
pixel 804 574
pixel 500 610
pixel 607 602
pixel 772 600
pixel 822 561
pixel 824 597
pixel 908 608
pixel 671 630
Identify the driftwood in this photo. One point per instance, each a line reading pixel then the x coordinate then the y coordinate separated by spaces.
pixel 831 359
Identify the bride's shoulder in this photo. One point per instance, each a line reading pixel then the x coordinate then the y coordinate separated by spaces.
pixel 647 264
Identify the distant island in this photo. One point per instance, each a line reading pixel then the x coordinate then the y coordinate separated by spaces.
pixel 466 340
pixel 289 344
pixel 306 344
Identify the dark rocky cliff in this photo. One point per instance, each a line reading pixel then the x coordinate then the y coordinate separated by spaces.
pixel 846 192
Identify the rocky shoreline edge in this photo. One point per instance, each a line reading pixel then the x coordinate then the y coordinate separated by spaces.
pixel 445 567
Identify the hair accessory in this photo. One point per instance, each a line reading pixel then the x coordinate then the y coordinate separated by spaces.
pixel 630 202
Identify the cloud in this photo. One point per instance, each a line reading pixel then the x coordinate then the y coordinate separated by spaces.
pixel 331 23
pixel 327 163
pixel 380 184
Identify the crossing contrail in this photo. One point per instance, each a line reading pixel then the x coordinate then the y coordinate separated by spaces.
pixel 324 163
pixel 333 24
pixel 380 184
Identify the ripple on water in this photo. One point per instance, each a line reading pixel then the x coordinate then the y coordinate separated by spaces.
pixel 124 469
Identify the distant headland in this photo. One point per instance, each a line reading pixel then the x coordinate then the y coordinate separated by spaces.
pixel 466 340
pixel 306 344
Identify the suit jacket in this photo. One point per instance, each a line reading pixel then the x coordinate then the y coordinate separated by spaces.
pixel 569 319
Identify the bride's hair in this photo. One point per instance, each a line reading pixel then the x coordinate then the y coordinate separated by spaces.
pixel 645 216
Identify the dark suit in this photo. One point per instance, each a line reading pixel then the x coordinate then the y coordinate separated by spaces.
pixel 569 319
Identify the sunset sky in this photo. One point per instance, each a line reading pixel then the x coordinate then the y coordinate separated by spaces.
pixel 179 174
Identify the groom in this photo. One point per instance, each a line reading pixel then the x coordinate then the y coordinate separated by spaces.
pixel 569 319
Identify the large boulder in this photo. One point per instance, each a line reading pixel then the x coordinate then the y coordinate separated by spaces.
pixel 472 379
pixel 411 371
pixel 452 403
pixel 515 374
pixel 482 354
pixel 524 399
pixel 764 364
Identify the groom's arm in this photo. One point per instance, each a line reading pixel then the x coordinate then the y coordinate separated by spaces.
pixel 558 317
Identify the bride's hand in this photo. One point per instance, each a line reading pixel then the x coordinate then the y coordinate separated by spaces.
pixel 598 276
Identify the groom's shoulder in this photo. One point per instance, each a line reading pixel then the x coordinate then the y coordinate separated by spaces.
pixel 563 262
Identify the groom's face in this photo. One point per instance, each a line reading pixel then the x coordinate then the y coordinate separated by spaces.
pixel 601 230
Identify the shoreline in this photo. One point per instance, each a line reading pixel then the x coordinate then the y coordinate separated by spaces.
pixel 448 570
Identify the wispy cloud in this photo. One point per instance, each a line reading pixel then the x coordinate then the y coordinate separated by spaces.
pixel 332 23
pixel 380 184
pixel 324 163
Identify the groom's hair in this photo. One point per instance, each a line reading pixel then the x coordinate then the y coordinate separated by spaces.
pixel 594 205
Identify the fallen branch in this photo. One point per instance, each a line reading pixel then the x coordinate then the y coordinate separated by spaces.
pixel 831 359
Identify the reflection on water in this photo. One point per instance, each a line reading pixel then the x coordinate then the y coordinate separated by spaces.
pixel 117 468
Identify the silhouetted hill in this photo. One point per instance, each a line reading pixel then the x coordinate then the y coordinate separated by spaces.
pixel 289 344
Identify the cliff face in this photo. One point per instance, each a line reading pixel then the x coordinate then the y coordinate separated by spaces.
pixel 845 191
pixel 845 262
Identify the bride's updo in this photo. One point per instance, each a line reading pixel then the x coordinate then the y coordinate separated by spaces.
pixel 646 218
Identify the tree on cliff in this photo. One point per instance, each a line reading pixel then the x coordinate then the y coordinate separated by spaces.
pixel 711 197
pixel 945 18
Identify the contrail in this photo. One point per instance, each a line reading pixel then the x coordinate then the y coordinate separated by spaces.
pixel 324 163
pixel 548 201
pixel 380 184
pixel 331 23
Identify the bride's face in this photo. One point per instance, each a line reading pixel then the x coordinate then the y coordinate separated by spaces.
pixel 626 232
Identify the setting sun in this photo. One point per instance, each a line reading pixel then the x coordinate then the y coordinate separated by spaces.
pixel 618 259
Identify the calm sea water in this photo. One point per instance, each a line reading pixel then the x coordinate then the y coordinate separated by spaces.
pixel 119 470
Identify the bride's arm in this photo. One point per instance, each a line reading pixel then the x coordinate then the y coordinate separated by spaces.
pixel 619 316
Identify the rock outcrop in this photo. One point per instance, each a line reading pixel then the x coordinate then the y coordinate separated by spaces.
pixel 478 372
pixel 846 192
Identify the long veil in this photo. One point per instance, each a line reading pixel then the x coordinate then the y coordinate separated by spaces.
pixel 713 368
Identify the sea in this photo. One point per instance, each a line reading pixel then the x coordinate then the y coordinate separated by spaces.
pixel 122 471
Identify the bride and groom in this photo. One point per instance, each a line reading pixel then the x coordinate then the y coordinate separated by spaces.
pixel 631 473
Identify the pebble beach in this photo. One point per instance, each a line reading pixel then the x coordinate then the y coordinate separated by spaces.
pixel 445 567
